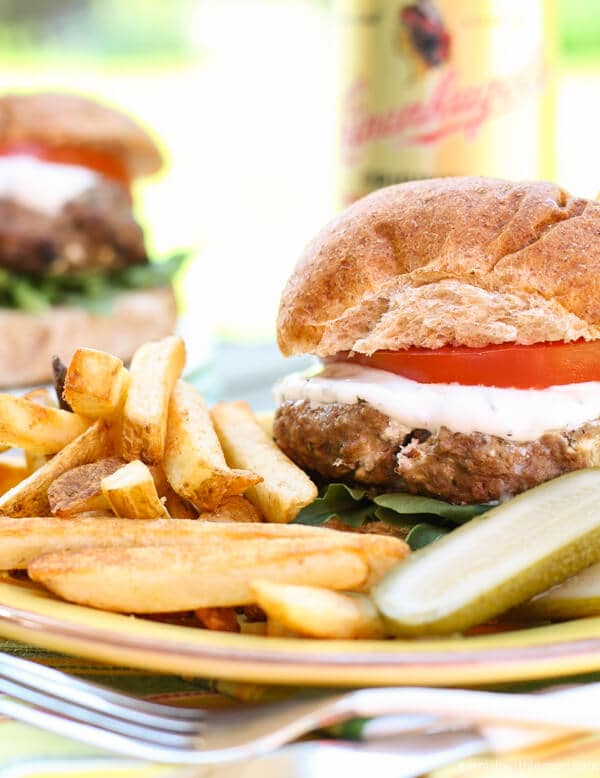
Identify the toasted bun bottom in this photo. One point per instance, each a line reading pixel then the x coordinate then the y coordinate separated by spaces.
pixel 29 341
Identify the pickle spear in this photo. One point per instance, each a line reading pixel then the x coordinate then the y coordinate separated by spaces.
pixel 496 561
pixel 574 599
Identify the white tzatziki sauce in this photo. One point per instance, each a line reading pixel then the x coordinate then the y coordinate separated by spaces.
pixel 514 414
pixel 42 186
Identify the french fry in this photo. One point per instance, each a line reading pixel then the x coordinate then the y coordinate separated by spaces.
pixel 253 627
pixel 101 514
pixel 178 508
pixel 221 619
pixel 162 579
pixel 131 493
pixel 265 419
pixel 160 480
pixel 95 383
pixel 35 460
pixel 233 509
pixel 382 552
pixel 12 472
pixel 193 460
pixel 285 489
pixel 154 371
pixel 79 490
pixel 276 630
pixel 30 497
pixel 29 425
pixel 23 539
pixel 319 613
pixel 47 398
pixel 42 396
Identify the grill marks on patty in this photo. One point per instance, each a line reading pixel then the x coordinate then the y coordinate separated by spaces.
pixel 357 443
pixel 95 230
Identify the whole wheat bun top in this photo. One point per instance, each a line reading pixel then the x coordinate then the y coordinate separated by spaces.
pixel 56 119
pixel 447 261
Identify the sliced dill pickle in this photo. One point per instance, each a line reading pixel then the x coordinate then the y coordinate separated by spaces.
pixel 576 598
pixel 496 561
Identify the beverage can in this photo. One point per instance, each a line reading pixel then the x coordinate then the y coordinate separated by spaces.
pixel 432 88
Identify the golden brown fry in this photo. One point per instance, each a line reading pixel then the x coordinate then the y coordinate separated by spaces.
pixel 285 489
pixel 194 462
pixel 42 396
pixel 178 508
pixel 233 509
pixel 221 619
pixel 79 490
pixel 162 579
pixel 29 425
pixel 265 419
pixel 34 460
pixel 46 397
pixel 319 613
pixel 160 480
pixel 23 539
pixel 95 383
pixel 30 497
pixel 253 627
pixel 131 493
pixel 12 472
pixel 276 630
pixel 154 371
pixel 102 514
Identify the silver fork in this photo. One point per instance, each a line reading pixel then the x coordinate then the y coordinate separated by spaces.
pixel 67 706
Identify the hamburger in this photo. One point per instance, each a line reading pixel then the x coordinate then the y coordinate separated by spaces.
pixel 74 270
pixel 457 321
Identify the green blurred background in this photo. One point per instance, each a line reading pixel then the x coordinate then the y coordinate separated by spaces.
pixel 241 96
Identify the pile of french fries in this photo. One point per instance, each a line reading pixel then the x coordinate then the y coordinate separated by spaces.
pixel 139 499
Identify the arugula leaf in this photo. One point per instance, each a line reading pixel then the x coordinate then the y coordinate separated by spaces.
pixel 406 512
pixel 91 289
pixel 414 504
pixel 398 520
pixel 423 534
pixel 358 516
pixel 348 504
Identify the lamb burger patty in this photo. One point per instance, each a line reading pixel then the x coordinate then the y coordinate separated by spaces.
pixel 358 444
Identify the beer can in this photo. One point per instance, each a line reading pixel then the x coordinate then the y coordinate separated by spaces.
pixel 432 88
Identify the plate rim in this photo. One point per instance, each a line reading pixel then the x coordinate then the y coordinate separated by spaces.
pixel 39 619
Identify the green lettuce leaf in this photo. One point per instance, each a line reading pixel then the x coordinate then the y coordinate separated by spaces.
pixel 91 289
pixel 423 534
pixel 421 520
pixel 414 504
pixel 338 500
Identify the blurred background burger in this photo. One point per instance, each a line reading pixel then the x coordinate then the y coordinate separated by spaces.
pixel 74 269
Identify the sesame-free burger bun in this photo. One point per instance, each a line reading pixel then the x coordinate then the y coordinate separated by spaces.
pixel 450 261
pixel 29 341
pixel 59 120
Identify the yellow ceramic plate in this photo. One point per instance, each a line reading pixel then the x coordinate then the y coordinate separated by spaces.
pixel 35 617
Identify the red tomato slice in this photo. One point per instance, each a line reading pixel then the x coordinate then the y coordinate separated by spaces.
pixel 507 365
pixel 98 161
